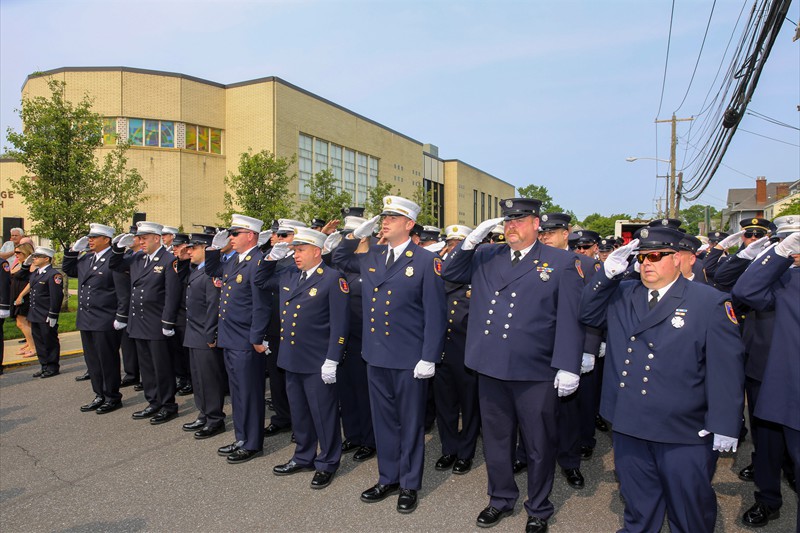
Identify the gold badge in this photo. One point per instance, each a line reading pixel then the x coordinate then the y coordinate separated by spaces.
pixel 469 293
pixel 247 258
pixel 239 278
pixel 313 291
pixel 319 271
pixel 409 271
pixel 409 253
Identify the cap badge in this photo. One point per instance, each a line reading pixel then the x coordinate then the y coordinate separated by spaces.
pixel 388 201
pixel 644 233
pixel 509 203
pixel 755 221
pixel 544 218
pixel 665 222
pixel 580 234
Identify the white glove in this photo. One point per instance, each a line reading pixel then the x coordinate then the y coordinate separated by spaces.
pixel 329 371
pixel 123 241
pixel 566 382
pixel 424 369
pixel 167 332
pixel 617 261
pixel 264 236
pixel 435 248
pixel 5 313
pixel 279 251
pixel 477 235
pixel 721 442
pixel 789 246
pixel 753 249
pixel 265 344
pixel 119 325
pixel 52 322
pixel 731 240
pixel 331 242
pixel 602 350
pixel 81 244
pixel 28 261
pixel 703 248
pixel 220 239
pixel 587 363
pixel 366 228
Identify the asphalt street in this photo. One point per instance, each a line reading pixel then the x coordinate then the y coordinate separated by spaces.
pixel 67 471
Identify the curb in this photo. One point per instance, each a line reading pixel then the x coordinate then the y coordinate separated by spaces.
pixel 33 360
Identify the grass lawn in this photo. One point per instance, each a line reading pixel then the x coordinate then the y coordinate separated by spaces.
pixel 66 322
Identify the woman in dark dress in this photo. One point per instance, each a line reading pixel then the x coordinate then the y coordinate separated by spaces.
pixel 20 273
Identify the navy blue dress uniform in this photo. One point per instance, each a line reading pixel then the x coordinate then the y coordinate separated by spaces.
pixel 97 310
pixel 207 365
pixel 244 312
pixel 130 358
pixel 404 323
pixel 180 353
pixel 153 308
pixel 670 372
pixel 5 302
pixel 314 324
pixel 523 328
pixel 46 294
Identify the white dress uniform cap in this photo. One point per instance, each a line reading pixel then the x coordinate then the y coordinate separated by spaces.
pixel 171 230
pixel 41 250
pixel 499 229
pixel 457 231
pixel 287 225
pixel 100 230
pixel 309 236
pixel 148 228
pixel 245 222
pixel 352 222
pixel 397 205
pixel 787 224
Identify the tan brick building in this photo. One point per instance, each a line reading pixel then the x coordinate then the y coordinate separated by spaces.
pixel 187 133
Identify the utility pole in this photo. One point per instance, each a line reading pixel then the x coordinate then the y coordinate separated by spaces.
pixel 672 198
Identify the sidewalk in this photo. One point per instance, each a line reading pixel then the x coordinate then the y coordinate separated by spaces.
pixel 70 346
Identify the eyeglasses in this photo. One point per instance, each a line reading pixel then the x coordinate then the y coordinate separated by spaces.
pixel 281 235
pixel 749 234
pixel 237 233
pixel 584 246
pixel 653 257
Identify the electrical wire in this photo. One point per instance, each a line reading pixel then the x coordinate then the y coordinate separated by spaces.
pixel 770 119
pixel 770 138
pixel 699 55
pixel 666 61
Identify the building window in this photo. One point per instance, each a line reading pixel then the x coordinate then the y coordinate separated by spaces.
pixel 109 131
pixel 474 207
pixel 202 139
pixel 361 192
pixel 305 165
pixel 320 156
pixel 336 165
pixel 151 133
pixel 191 137
pixel 135 131
pixel 350 172
pixel 483 206
pixel 216 141
pixel 167 135
pixel 373 173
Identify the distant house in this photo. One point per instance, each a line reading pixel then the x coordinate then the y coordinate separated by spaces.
pixel 760 202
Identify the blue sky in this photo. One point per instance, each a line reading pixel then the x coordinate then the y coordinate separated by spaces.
pixel 536 92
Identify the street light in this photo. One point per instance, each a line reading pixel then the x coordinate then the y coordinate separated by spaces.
pixel 632 159
pixel 673 202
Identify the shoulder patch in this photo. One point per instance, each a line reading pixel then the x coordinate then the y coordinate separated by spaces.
pixel 437 266
pixel 578 267
pixel 58 279
pixel 5 266
pixel 217 282
pixel 175 266
pixel 730 312
pixel 343 286
pixel 597 266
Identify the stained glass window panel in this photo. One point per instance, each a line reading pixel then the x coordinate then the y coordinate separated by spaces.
pixel 168 135
pixel 202 139
pixel 191 137
pixel 135 133
pixel 109 131
pixel 151 133
pixel 216 141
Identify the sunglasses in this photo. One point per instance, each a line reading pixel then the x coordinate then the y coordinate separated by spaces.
pixel 281 235
pixel 757 234
pixel 653 257
pixel 237 233
pixel 17 252
pixel 584 246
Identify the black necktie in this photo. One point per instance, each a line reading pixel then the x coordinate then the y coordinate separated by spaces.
pixel 390 260
pixel 94 260
pixel 146 261
pixel 303 276
pixel 653 300
pixel 516 258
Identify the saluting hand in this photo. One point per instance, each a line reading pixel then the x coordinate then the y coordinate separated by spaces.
pixel 478 234
pixel 730 240
pixel 789 246
pixel 617 261
pixel 753 249
pixel 123 240
pixel 278 252
pixel 366 228
pixel 264 236
pixel 220 239
pixel 81 244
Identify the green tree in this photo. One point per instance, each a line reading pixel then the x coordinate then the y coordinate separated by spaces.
pixel 260 189
pixel 540 192
pixel 428 207
pixel 374 203
pixel 691 217
pixel 602 224
pixel 68 186
pixel 324 200
pixel 792 208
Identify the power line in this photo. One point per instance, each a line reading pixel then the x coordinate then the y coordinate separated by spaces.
pixel 666 61
pixel 699 55
pixel 770 119
pixel 770 138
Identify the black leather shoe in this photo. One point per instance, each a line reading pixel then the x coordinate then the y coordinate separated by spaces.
pixel 363 454
pixel 287 469
pixel 128 382
pixel 83 377
pixel 349 446
pixel 574 477
pixel 535 525
pixel 209 431
pixel 586 451
pixel 746 473
pixel 321 479
pixel 163 416
pixel 194 426
pixel 490 517
pixel 38 374
pixel 519 466
pixel 272 430
pixel 379 492
pixel 94 404
pixel 107 407
pixel 147 412
pixel 445 462
pixel 229 449
pixel 242 456
pixel 407 501
pixel 138 387
pixel 760 515
pixel 601 425
pixel 462 466
pixel 49 373
pixel 186 390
